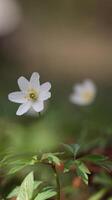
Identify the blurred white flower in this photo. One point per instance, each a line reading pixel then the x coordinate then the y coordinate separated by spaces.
pixel 32 94
pixel 83 94
pixel 10 16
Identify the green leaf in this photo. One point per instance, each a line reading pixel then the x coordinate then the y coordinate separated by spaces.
pixel 68 165
pixel 37 184
pixel 26 188
pixel 107 165
pixel 98 195
pixel 95 158
pixel 73 148
pixel 82 170
pixel 100 160
pixel 51 158
pixel 45 195
pixel 103 179
pixel 14 163
pixel 15 169
pixel 76 148
pixel 14 193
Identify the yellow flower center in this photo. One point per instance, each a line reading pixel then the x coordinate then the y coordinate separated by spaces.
pixel 32 95
pixel 88 95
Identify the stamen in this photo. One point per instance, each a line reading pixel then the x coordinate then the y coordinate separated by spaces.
pixel 88 95
pixel 32 95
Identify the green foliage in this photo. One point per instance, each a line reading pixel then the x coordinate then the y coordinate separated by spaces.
pixel 14 163
pixel 37 184
pixel 103 179
pixel 35 190
pixel 72 148
pixel 80 167
pixel 51 158
pixel 82 170
pixel 46 194
pixel 96 158
pixel 16 166
pixel 99 195
pixel 102 161
pixel 27 190
pixel 14 193
pixel 68 165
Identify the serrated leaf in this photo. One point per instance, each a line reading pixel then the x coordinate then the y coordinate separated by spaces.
pixel 51 158
pixel 15 169
pixel 26 188
pixel 45 195
pixel 95 158
pixel 73 148
pixel 106 164
pixel 82 170
pixel 100 160
pixel 14 193
pixel 14 163
pixel 76 148
pixel 68 147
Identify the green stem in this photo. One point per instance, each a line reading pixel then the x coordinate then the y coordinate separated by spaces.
pixel 58 183
pixel 57 179
pixel 39 114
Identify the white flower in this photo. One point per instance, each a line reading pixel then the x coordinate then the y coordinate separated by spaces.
pixel 32 94
pixel 83 94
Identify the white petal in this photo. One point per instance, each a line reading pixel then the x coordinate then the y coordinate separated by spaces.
pixel 46 86
pixel 17 97
pixel 78 88
pixel 89 85
pixel 23 108
pixel 77 99
pixel 34 80
pixel 45 95
pixel 23 83
pixel 38 106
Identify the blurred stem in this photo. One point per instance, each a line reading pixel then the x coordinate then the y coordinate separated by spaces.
pixel 58 183
pixel 57 178
pixel 39 114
